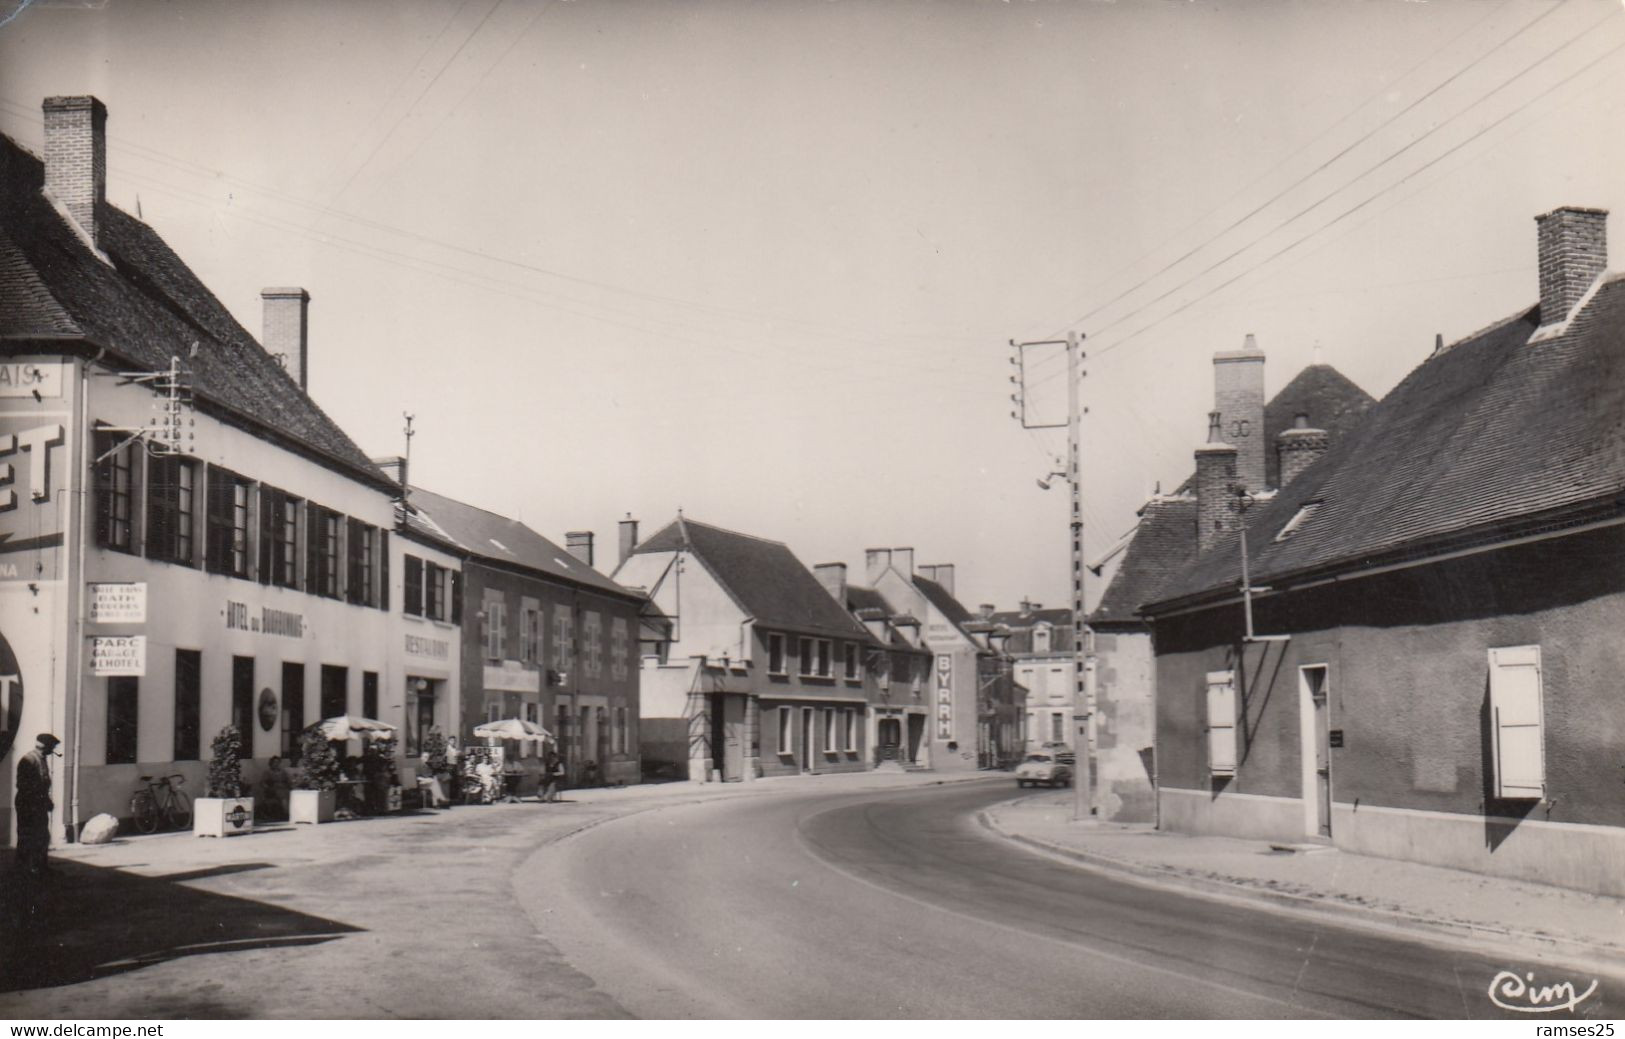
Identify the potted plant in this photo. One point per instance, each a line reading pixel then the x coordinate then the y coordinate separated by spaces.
pixel 383 780
pixel 315 799
pixel 226 811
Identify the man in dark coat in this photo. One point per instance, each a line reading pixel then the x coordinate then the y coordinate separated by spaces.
pixel 33 803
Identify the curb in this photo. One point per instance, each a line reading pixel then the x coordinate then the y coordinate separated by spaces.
pixel 1603 957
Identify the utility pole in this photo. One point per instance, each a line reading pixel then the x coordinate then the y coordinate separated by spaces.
pixel 1083 684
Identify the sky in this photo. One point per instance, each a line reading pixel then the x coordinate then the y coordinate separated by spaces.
pixel 762 261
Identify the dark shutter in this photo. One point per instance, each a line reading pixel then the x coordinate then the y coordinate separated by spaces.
pixel 162 495
pixel 456 597
pixel 414 587
pixel 383 570
pixel 270 521
pixel 353 591
pixel 104 490
pixel 313 548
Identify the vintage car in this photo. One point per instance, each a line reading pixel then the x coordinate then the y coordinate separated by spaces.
pixel 1043 767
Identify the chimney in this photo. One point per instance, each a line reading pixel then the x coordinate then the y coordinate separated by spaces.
pixel 986 610
pixel 942 573
pixel 875 562
pixel 1215 472
pixel 286 330
pixel 579 542
pixel 1573 253
pixel 1299 446
pixel 1238 397
pixel 76 159
pixel 903 561
pixel 393 466
pixel 629 537
pixel 1027 605
pixel 833 577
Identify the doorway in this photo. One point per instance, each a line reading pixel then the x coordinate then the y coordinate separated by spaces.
pixel 1314 728
pixel 890 739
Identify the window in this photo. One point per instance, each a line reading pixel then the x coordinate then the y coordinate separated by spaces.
pixel 826 650
pixel 361 562
pixel 456 597
pixel 619 646
pixel 279 538
pixel 621 743
pixel 563 638
pixel 815 657
pixel 123 706
pixel 335 691
pixel 115 493
pixel 830 745
pixel 188 703
pixel 420 697
pixel 1221 723
pixel 1057 728
pixel 321 551
pixel 592 643
pixel 851 730
pixel 851 650
pixel 493 628
pixel 804 654
pixel 1516 719
pixel 369 694
pixel 227 523
pixel 171 515
pixel 775 654
pixel 414 587
pixel 1041 639
pixel 293 709
pixel 530 642
pixel 242 702
pixel 786 732
pixel 434 591
pixel 1299 518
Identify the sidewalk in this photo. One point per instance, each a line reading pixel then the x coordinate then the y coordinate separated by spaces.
pixel 1538 920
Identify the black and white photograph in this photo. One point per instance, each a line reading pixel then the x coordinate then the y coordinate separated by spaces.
pixel 795 511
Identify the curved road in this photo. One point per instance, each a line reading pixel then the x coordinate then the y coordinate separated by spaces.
pixel 898 904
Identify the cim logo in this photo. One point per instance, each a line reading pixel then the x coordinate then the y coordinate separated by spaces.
pixel 239 816
pixel 11 696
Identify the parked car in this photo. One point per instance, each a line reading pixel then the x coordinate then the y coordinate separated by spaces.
pixel 1063 753
pixel 1043 767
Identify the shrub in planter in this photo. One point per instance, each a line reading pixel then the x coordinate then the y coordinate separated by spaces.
pixel 378 768
pixel 316 797
pixel 225 811
pixel 434 754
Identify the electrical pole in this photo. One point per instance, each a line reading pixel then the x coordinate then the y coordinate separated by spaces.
pixel 1083 684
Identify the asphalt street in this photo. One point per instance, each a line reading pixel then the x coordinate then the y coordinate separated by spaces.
pixel 898 904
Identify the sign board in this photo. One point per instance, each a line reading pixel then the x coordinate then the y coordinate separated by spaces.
pixel 118 655
pixel 27 378
pixel 11 696
pixel 1335 737
pixel 509 677
pixel 267 709
pixel 34 492
pixel 427 648
pixel 240 617
pixel 122 602
pixel 945 697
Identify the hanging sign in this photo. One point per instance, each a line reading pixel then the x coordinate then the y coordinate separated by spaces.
pixel 122 602
pixel 118 655
pixel 945 697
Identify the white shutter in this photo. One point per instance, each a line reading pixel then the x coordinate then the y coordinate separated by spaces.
pixel 1221 722
pixel 1515 722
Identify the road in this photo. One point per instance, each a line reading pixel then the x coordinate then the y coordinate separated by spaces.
pixel 898 904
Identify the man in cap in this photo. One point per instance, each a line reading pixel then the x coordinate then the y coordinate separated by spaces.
pixel 33 803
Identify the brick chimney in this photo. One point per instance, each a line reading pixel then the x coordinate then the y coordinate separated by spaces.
pixel 875 562
pixel 579 543
pixel 1573 253
pixel 286 330
pixel 986 610
pixel 1299 446
pixel 942 573
pixel 629 537
pixel 76 159
pixel 1238 397
pixel 833 577
pixel 1215 472
pixel 393 466
pixel 903 561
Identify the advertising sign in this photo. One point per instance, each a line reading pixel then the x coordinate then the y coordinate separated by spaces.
pixel 11 697
pixel 123 602
pixel 27 378
pixel 118 655
pixel 945 697
pixel 34 496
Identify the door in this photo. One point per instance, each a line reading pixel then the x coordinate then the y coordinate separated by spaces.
pixel 733 742
pixel 806 739
pixel 916 736
pixel 891 738
pixel 1315 727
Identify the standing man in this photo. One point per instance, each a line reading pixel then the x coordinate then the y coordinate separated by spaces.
pixel 33 804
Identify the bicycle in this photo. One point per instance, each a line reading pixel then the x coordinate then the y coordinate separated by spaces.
pixel 161 800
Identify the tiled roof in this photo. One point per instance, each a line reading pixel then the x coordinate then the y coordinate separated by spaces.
pixel 144 308
pixel 489 536
pixel 1489 433
pixel 1020 624
pixel 1056 615
pixel 1330 399
pixel 1163 545
pixel 764 576
pixel 861 598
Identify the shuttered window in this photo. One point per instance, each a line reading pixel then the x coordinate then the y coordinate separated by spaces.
pixel 279 538
pixel 227 523
pixel 171 515
pixel 115 492
pixel 322 551
pixel 414 587
pixel 1516 723
pixel 1221 722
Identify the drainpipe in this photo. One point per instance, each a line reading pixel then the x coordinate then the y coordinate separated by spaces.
pixel 75 525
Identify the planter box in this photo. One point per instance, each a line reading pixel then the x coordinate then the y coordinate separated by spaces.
pixel 392 800
pixel 222 816
pixel 312 806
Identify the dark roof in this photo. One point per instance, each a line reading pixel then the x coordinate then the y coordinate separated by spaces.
pixel 1484 437
pixel 488 536
pixel 144 308
pixel 1163 545
pixel 764 577
pixel 1021 623
pixel 861 598
pixel 1330 399
pixel 1054 615
pixel 939 597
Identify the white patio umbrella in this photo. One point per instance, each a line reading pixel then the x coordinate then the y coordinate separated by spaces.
pixel 512 729
pixel 354 727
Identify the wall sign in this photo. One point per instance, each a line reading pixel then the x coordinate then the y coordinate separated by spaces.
pixel 26 378
pixel 509 677
pixel 33 479
pixel 267 709
pixel 945 697
pixel 123 602
pixel 267 621
pixel 11 696
pixel 429 649
pixel 118 655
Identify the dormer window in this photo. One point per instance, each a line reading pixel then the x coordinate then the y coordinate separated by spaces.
pixel 1298 519
pixel 1041 638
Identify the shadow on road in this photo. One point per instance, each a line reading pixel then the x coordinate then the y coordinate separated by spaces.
pixel 89 921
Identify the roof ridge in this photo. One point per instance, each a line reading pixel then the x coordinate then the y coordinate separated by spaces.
pixel 726 530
